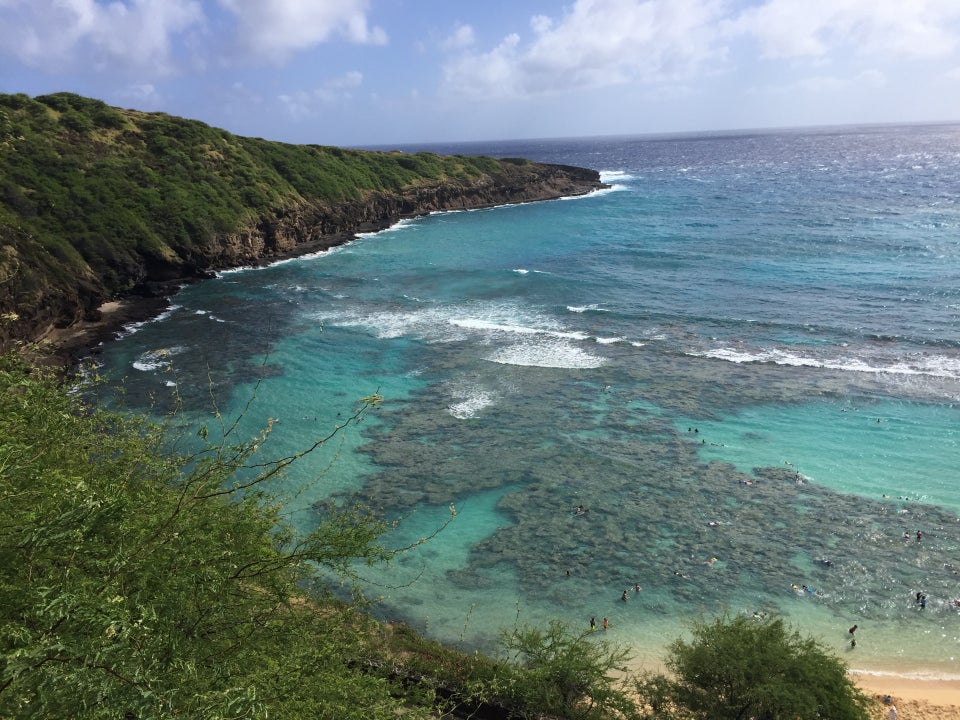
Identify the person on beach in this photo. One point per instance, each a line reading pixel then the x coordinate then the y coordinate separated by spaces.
pixel 606 624
pixel 892 713
pixel 852 630
pixel 593 624
pixel 624 596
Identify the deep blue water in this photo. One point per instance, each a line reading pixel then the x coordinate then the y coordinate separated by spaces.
pixel 743 360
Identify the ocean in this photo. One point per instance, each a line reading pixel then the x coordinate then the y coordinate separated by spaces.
pixel 741 362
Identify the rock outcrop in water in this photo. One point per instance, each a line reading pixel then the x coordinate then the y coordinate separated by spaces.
pixel 99 203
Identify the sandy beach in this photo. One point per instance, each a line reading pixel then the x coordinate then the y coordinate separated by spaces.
pixel 64 347
pixel 914 699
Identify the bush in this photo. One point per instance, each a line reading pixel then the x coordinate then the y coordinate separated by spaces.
pixel 566 674
pixel 135 583
pixel 743 668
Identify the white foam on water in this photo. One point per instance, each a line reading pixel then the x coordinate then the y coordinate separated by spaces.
pixel 470 406
pixel 910 675
pixel 548 352
pixel 486 322
pixel 580 309
pixel 210 315
pixel 399 225
pixel 611 176
pixel 602 191
pixel 235 270
pixel 131 328
pixel 156 359
pixel 521 271
pixel 941 366
pixel 430 323
pixel 498 327
pixel 528 338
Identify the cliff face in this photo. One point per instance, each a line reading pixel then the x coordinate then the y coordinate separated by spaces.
pixel 99 203
pixel 310 226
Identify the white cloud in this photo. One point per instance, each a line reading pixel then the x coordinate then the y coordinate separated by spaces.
pixel 821 84
pixel 132 34
pixel 462 37
pixel 596 43
pixel 872 79
pixel 798 28
pixel 828 84
pixel 310 103
pixel 276 28
pixel 489 74
pixel 144 95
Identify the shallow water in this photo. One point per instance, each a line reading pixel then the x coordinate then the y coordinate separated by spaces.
pixel 699 357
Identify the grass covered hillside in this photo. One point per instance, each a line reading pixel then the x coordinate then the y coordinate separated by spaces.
pixel 97 201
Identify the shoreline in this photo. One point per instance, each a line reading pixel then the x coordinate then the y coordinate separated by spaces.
pixel 65 347
pixel 68 347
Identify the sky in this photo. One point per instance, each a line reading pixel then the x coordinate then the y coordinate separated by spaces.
pixel 380 72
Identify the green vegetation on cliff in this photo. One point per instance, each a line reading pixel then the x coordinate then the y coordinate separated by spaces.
pixel 95 200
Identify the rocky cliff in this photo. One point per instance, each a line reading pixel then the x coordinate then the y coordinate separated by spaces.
pixel 99 203
pixel 309 226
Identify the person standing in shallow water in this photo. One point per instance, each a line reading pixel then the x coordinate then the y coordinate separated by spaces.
pixel 593 624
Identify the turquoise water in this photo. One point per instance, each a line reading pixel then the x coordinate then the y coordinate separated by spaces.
pixel 866 448
pixel 699 356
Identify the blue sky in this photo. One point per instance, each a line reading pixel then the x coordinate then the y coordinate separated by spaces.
pixel 380 72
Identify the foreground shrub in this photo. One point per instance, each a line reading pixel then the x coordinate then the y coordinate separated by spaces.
pixel 139 584
pixel 743 668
